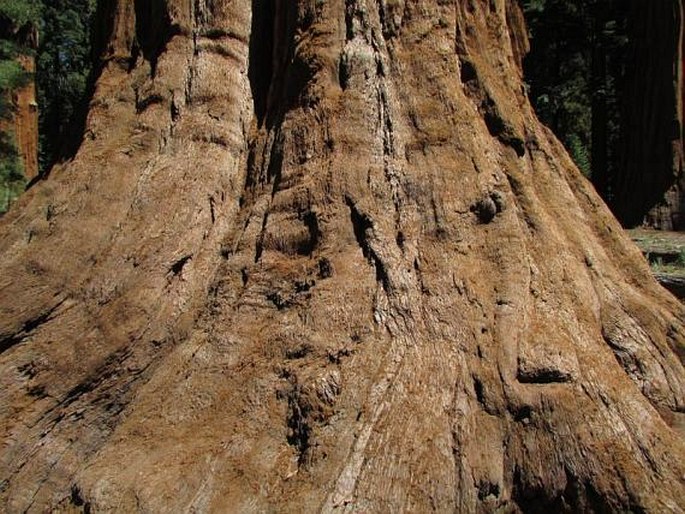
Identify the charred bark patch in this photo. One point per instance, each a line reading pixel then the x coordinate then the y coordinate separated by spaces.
pixel 300 352
pixel 325 268
pixel 299 412
pixel 309 404
pixel 29 326
pixel 522 414
pixel 478 389
pixel 143 103
pixel 488 490
pixel 106 373
pixel 484 396
pixel 485 209
pixel 279 301
pixel 299 74
pixel 469 76
pixel 177 267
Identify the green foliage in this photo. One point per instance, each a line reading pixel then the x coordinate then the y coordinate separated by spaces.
pixel 20 12
pixel 63 67
pixel 63 62
pixel 16 16
pixel 558 70
pixel 534 6
pixel 568 38
pixel 12 179
pixel 580 153
pixel 12 75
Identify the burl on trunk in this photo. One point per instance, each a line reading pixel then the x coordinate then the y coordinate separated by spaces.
pixel 321 256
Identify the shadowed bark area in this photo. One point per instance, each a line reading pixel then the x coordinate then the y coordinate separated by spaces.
pixel 322 257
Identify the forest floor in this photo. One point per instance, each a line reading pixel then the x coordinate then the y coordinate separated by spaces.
pixel 665 252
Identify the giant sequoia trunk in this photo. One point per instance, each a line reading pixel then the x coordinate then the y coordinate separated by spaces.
pixel 321 256
pixel 651 184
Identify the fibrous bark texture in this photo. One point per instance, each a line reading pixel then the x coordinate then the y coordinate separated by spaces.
pixel 321 257
pixel 650 188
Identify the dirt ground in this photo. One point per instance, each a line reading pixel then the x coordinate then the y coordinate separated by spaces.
pixel 665 252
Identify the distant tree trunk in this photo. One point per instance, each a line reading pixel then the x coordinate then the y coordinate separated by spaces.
pixel 26 120
pixel 651 184
pixel 321 256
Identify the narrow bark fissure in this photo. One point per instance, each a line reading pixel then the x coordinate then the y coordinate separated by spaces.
pixel 212 207
pixel 259 246
pixel 274 171
pixel 363 227
pixel 191 72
